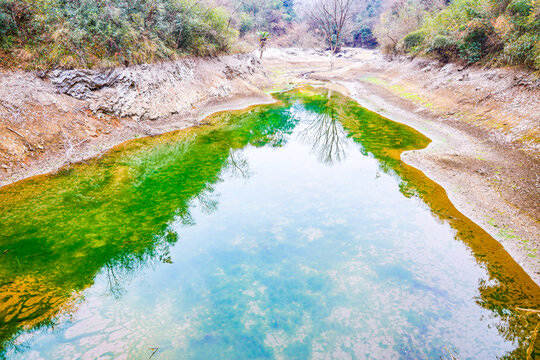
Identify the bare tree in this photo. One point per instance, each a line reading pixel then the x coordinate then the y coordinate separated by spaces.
pixel 333 18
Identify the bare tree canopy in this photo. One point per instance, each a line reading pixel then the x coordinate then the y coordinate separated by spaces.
pixel 333 18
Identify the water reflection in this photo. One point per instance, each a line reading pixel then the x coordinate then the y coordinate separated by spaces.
pixel 509 287
pixel 112 215
pixel 114 218
pixel 325 134
pixel 238 165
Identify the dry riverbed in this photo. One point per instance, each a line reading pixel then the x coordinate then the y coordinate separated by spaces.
pixel 484 123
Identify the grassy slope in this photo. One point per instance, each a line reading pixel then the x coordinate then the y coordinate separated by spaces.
pixel 499 32
pixel 40 34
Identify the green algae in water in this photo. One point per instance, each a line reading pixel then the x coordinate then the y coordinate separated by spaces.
pixel 284 231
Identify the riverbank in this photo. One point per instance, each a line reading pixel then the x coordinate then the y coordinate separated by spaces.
pixel 483 123
pixel 49 120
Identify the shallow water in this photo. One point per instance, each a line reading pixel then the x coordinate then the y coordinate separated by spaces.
pixel 284 231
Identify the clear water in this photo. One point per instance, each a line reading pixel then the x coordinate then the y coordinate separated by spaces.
pixel 288 231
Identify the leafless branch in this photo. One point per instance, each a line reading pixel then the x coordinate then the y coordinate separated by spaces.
pixel 333 17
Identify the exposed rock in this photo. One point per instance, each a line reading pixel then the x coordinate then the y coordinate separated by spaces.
pixel 156 90
pixel 51 118
pixel 80 83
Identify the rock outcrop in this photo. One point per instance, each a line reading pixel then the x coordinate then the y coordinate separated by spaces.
pixel 151 91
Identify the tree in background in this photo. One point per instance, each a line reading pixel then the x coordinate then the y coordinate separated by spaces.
pixel 333 18
pixel 364 15
pixel 364 21
pixel 263 38
pixel 400 17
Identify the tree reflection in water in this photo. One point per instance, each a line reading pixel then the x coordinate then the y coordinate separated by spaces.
pixel 114 216
pixel 325 134
pixel 238 165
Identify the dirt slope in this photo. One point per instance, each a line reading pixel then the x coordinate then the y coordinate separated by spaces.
pixel 50 119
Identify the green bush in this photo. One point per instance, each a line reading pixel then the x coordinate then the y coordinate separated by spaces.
pixel 414 39
pixel 443 46
pixel 520 7
pixel 441 42
pixel 472 46
pixel 88 33
pixel 13 14
pixel 246 23
pixel 523 50
pixel 7 30
pixel 496 31
pixel 274 15
pixel 470 52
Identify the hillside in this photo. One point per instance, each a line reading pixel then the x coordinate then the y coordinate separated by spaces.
pixel 45 34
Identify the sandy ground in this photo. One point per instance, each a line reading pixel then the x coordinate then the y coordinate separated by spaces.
pixel 484 124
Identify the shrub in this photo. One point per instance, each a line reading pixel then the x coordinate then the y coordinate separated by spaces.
pixel 400 19
pixel 523 50
pixel 502 26
pixel 414 39
pixel 473 44
pixel 88 33
pixel 520 7
pixel 501 31
pixel 15 17
pixel 363 37
pixel 7 30
pixel 444 47
pixel 246 23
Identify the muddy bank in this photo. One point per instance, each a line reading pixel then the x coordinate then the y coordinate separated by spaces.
pixel 51 119
pixel 484 123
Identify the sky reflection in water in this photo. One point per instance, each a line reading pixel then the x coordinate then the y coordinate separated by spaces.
pixel 286 231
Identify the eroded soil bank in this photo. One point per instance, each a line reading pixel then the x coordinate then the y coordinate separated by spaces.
pixel 484 123
pixel 48 120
